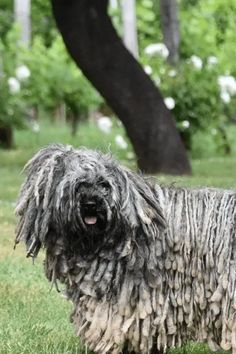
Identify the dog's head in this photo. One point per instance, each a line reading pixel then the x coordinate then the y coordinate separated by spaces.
pixel 83 198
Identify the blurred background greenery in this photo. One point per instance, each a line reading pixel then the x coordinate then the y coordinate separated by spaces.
pixel 200 89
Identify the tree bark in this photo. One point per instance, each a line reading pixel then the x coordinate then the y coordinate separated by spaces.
pixel 96 48
pixel 6 137
pixel 170 28
pixel 128 9
pixel 22 9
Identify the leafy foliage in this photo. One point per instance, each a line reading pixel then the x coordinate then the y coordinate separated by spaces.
pixel 56 80
pixel 148 22
pixel 43 23
pixel 6 17
pixel 41 15
pixel 53 80
pixel 197 102
pixel 207 31
pixel 12 105
pixel 206 52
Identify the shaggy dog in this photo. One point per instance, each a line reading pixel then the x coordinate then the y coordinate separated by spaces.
pixel 146 267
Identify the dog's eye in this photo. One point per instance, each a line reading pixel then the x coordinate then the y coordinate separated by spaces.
pixel 104 185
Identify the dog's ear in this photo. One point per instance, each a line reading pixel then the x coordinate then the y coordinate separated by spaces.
pixel 34 206
pixel 140 202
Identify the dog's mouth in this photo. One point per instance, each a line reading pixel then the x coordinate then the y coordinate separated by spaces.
pixel 90 220
pixel 93 214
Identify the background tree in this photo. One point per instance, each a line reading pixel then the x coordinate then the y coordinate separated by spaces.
pixel 200 90
pixel 93 43
pixel 129 26
pixel 22 10
pixel 170 28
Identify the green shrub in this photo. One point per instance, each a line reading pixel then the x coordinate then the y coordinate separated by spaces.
pixel 13 107
pixel 52 80
pixel 202 98
pixel 201 106
pixel 207 49
pixel 56 80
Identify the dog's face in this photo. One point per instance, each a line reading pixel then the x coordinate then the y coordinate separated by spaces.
pixel 95 204
pixel 83 198
pixel 86 211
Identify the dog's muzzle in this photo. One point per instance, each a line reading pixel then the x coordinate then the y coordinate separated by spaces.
pixel 93 213
pixel 90 213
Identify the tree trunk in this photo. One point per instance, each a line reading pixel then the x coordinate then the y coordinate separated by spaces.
pixel 170 28
pixel 130 37
pixel 22 9
pixel 6 137
pixel 94 45
pixel 114 4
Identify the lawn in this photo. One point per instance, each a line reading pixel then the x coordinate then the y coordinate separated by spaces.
pixel 34 317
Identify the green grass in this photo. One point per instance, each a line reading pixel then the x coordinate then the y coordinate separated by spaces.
pixel 213 172
pixel 33 318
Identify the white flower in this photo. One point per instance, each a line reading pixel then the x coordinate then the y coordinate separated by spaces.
pixel 172 73
pixel 225 96
pixel 105 124
pixel 114 4
pixel 148 69
pixel 22 73
pixel 157 80
pixel 35 127
pixel 227 84
pixel 120 142
pixel 14 85
pixel 130 155
pixel 169 102
pixel 196 61
pixel 185 124
pixel 157 49
pixel 212 60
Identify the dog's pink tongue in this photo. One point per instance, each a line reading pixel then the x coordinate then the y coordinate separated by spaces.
pixel 90 220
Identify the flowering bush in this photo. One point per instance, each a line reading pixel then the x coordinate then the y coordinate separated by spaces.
pixel 200 97
pixel 200 91
pixel 104 124
pixel 120 142
pixel 13 107
pixel 40 79
pixel 56 80
pixel 227 84
pixel 157 49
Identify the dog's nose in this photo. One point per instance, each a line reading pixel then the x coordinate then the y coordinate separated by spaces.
pixel 90 202
pixel 90 205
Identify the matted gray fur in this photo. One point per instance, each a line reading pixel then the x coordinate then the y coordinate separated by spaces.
pixel 146 267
